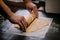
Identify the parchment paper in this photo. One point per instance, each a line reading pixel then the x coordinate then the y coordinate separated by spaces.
pixel 40 33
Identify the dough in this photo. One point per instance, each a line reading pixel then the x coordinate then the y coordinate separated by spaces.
pixel 36 25
pixel 16 26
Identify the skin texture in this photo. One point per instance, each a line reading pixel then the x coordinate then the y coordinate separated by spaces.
pixel 19 19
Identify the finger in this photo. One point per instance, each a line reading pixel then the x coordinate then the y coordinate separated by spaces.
pixel 30 10
pixel 35 10
pixel 22 28
pixel 24 23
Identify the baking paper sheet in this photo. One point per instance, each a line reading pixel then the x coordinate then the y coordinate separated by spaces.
pixel 9 27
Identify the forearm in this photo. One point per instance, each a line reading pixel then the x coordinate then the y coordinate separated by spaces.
pixel 6 9
pixel 27 1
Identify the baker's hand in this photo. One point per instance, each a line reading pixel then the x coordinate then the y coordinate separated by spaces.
pixel 19 20
pixel 32 7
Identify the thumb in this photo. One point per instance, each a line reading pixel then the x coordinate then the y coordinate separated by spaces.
pixel 30 11
pixel 35 10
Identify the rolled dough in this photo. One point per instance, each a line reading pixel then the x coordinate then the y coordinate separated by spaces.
pixel 37 24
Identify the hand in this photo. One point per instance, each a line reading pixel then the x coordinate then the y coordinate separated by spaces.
pixel 19 20
pixel 32 7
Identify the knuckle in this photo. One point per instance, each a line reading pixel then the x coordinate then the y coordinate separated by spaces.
pixel 22 16
pixel 35 6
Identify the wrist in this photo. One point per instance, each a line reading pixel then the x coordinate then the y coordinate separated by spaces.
pixel 27 1
pixel 10 14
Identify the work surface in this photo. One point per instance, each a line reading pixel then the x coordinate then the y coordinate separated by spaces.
pixel 12 36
